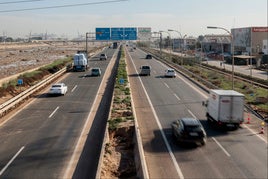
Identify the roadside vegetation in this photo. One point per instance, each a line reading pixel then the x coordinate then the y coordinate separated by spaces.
pixel 118 159
pixel 31 78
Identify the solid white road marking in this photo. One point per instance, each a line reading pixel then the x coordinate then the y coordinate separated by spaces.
pixel 53 112
pixel 74 88
pixel 254 132
pixel 13 158
pixel 221 147
pixel 176 165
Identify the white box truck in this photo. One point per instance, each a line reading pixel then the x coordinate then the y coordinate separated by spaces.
pixel 80 62
pixel 225 107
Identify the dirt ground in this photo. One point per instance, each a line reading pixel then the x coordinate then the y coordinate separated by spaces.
pixel 19 57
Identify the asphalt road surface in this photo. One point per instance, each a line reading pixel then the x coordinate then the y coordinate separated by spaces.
pixel 228 153
pixel 39 141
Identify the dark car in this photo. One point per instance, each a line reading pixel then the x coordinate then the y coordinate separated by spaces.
pixel 95 72
pixel 189 130
pixel 148 56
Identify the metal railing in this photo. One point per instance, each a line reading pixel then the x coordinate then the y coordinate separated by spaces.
pixel 13 102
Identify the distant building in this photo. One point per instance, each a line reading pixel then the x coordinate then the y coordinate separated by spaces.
pixel 216 43
pixel 251 40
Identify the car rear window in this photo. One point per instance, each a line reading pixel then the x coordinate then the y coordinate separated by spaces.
pixel 193 128
pixel 145 67
pixel 56 86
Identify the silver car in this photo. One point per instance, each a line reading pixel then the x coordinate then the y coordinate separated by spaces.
pixel 145 70
pixel 170 73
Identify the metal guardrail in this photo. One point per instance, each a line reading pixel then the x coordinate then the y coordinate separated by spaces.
pixel 13 102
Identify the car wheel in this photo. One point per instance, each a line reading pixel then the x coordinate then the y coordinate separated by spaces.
pixel 203 142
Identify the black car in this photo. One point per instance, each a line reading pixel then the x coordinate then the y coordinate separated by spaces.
pixel 189 130
pixel 148 56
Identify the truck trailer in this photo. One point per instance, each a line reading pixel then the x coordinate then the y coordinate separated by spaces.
pixel 80 62
pixel 225 107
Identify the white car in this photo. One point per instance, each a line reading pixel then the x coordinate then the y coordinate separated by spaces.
pixel 58 89
pixel 170 73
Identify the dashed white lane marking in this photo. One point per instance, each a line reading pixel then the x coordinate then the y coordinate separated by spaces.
pixel 74 88
pixel 177 96
pixel 53 112
pixel 13 158
pixel 221 147
pixel 166 85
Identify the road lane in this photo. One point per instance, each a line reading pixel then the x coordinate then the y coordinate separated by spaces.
pixel 49 128
pixel 226 158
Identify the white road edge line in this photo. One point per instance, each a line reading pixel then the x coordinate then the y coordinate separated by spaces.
pixel 254 132
pixel 179 172
pixel 53 112
pixel 13 158
pixel 74 88
pixel 68 171
pixel 221 147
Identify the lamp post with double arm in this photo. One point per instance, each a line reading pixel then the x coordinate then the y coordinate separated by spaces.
pixel 168 42
pixel 232 49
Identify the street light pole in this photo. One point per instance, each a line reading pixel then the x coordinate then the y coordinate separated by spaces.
pixel 183 38
pixel 86 44
pixel 171 30
pixel 160 41
pixel 168 42
pixel 232 49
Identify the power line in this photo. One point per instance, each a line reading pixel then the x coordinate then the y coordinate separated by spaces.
pixel 15 2
pixel 62 6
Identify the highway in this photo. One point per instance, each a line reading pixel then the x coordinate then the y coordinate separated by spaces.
pixel 39 141
pixel 158 101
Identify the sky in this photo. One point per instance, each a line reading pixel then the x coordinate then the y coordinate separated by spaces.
pixel 190 17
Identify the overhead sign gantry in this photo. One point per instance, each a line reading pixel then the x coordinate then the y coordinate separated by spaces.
pixel 117 33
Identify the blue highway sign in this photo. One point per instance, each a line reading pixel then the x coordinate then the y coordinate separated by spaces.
pixel 117 33
pixel 130 33
pixel 103 34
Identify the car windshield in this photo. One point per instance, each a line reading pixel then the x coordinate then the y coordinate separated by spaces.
pixel 95 70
